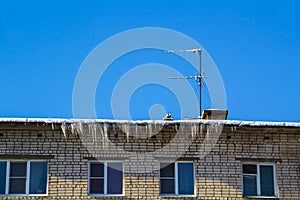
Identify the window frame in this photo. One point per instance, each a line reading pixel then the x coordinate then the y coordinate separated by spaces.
pixel 176 180
pixel 27 181
pixel 258 182
pixel 105 177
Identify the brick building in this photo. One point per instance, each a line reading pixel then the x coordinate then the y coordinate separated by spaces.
pixel 98 159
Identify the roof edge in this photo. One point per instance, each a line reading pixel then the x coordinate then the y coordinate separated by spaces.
pixel 218 122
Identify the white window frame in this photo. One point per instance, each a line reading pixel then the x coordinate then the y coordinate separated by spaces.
pixel 105 177
pixel 176 179
pixel 258 183
pixel 27 177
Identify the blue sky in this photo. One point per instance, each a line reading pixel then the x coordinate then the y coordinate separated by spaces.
pixel 255 45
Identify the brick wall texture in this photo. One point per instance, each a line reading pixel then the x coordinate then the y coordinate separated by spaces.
pixel 217 153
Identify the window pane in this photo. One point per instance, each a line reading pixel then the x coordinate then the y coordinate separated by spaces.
pixel 17 185
pixel 249 184
pixel 18 169
pixel 2 177
pixel 97 170
pixel 249 169
pixel 38 178
pixel 167 170
pixel 115 178
pixel 266 181
pixel 96 186
pixel 167 186
pixel 185 178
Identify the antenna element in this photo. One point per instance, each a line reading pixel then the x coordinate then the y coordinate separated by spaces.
pixel 199 78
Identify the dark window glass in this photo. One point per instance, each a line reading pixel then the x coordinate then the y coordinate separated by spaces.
pixel 17 185
pixel 167 178
pixel 167 170
pixel 96 186
pixel 2 177
pixel 167 186
pixel 250 186
pixel 97 170
pixel 18 169
pixel 17 181
pixel 185 178
pixel 266 181
pixel 249 169
pixel 38 178
pixel 114 178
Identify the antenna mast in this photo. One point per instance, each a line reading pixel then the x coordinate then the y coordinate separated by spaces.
pixel 197 78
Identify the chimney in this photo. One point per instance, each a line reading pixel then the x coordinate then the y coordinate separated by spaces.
pixel 214 114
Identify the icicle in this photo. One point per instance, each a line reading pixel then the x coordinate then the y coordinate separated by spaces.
pixel 201 130
pixel 93 128
pixel 53 126
pixel 95 131
pixel 214 128
pixel 63 128
pixel 145 134
pixel 158 127
pixel 136 131
pixel 209 128
pixel 91 131
pixel 149 127
pixel 128 126
pixel 101 135
pixel 80 128
pixel 105 128
pixel 194 130
pixel 72 129
pixel 125 129
pixel 105 134
pixel 114 129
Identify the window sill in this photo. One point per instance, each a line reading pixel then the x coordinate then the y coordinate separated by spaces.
pixel 260 197
pixel 23 195
pixel 177 195
pixel 106 195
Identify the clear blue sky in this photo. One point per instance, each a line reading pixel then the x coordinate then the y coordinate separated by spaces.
pixel 255 45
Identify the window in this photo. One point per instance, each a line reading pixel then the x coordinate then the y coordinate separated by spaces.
pixel 106 178
pixel 259 180
pixel 176 178
pixel 23 177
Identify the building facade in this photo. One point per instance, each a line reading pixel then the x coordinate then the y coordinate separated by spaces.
pixel 198 159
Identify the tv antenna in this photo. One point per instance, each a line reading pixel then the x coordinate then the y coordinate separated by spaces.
pixel 199 78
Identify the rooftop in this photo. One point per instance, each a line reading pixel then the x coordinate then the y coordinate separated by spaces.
pixel 220 122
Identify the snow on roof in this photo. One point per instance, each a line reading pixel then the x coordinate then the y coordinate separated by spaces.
pixel 220 122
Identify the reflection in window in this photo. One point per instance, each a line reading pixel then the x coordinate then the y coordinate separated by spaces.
pixel 23 177
pixel 106 178
pixel 38 178
pixel 177 178
pixel 258 180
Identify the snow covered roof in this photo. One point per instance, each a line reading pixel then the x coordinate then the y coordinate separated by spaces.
pixel 220 122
